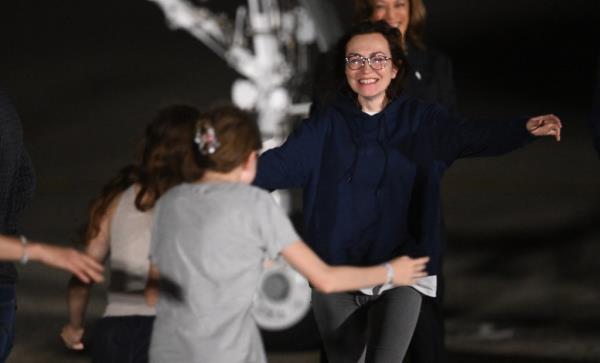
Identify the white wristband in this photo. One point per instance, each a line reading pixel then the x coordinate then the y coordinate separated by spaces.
pixel 24 254
pixel 390 273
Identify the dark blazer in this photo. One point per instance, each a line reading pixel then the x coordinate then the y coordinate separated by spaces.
pixel 348 222
pixel 430 77
pixel 595 119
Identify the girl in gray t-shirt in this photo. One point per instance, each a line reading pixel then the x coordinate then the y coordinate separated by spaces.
pixel 209 242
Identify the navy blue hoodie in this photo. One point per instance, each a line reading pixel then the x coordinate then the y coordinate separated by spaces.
pixel 371 184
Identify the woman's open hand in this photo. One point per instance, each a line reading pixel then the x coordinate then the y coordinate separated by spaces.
pixel 545 125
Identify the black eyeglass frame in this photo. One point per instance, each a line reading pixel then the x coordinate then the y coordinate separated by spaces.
pixel 365 60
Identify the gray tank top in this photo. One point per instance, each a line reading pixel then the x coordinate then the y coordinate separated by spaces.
pixel 129 263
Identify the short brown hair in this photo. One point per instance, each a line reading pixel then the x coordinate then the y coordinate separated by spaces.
pixel 237 134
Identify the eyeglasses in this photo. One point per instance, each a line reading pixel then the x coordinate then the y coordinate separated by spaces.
pixel 356 62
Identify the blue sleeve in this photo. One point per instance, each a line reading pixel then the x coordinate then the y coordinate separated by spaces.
pixel 454 139
pixel 291 164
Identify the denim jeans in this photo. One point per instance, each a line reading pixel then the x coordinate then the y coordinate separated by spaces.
pixel 8 307
pixel 122 339
pixel 360 328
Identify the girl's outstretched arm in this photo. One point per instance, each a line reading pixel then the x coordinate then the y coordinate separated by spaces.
pixel 330 279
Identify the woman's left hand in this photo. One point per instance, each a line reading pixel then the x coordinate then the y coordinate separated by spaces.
pixel 545 125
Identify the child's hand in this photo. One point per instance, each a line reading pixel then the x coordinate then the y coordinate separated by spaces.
pixel 407 270
pixel 71 336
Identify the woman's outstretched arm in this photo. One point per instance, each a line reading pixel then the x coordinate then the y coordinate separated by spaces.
pixel 455 139
pixel 291 164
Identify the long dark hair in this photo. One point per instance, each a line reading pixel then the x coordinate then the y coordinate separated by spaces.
pixel 394 39
pixel 166 159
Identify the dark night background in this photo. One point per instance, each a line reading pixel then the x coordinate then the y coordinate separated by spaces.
pixel 524 231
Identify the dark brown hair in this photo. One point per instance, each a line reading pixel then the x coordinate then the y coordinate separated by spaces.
pixel 363 10
pixel 237 134
pixel 392 36
pixel 166 159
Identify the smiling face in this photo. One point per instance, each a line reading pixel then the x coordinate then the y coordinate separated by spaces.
pixel 395 12
pixel 370 84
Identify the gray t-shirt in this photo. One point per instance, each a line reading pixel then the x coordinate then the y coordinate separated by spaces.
pixel 209 242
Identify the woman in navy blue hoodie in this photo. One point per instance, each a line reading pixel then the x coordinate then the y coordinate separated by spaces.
pixel 370 165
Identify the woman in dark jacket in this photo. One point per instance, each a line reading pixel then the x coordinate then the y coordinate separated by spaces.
pixel 430 78
pixel 370 166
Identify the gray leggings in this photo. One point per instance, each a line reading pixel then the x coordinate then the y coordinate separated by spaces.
pixel 375 329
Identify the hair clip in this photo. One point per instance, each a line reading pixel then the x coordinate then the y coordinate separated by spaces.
pixel 206 139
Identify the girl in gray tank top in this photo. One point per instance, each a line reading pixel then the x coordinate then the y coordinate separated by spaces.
pixel 119 230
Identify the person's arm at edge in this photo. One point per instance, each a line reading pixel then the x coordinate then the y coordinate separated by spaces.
pixel 329 279
pixel 12 249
